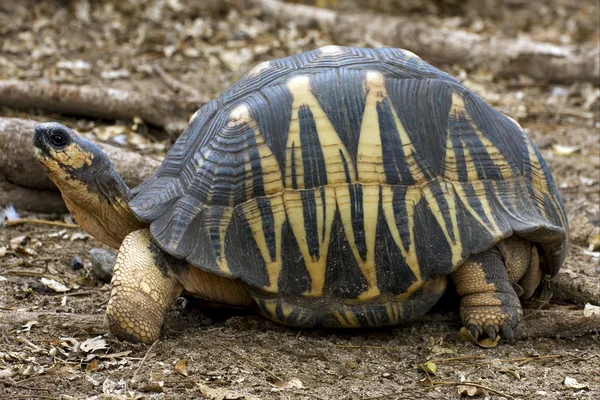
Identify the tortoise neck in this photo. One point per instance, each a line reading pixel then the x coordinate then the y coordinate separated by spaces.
pixel 97 198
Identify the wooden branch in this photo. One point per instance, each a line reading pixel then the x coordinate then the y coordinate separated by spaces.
pixel 575 288
pixel 25 182
pixel 544 61
pixel 553 323
pixel 171 114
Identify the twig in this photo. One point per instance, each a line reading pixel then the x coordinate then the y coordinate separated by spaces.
pixel 83 293
pixel 455 359
pixel 349 346
pixel 15 222
pixel 31 274
pixel 383 396
pixel 177 85
pixel 474 384
pixel 16 385
pixel 253 362
pixel 30 396
pixel 144 359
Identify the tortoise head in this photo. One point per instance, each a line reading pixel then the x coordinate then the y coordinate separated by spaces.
pixel 61 151
pixel 91 188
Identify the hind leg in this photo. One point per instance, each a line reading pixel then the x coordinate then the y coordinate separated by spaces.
pixel 522 264
pixel 489 303
pixel 143 290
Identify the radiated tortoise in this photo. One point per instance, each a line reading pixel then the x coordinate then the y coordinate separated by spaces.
pixel 335 188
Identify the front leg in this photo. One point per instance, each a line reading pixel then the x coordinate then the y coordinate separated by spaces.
pixel 489 303
pixel 143 290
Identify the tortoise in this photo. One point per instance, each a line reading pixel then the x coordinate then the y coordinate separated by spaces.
pixel 340 187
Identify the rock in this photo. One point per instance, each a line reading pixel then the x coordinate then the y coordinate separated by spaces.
pixel 76 263
pixel 103 262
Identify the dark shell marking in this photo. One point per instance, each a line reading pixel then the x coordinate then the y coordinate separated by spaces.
pixel 347 177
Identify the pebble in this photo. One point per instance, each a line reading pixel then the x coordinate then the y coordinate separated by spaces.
pixel 103 262
pixel 76 263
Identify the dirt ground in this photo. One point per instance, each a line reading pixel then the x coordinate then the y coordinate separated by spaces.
pixel 223 354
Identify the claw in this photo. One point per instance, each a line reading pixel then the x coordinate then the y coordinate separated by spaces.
pixel 474 331
pixel 491 332
pixel 507 331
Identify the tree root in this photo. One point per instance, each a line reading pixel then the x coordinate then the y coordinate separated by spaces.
pixel 25 184
pixel 554 323
pixel 543 61
pixel 171 114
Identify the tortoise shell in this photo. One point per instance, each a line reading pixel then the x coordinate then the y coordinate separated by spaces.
pixel 346 174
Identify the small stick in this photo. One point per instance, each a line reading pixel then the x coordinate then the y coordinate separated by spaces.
pixel 16 385
pixel 30 396
pixel 83 293
pixel 177 85
pixel 253 362
pixel 15 222
pixel 349 346
pixel 453 359
pixel 144 359
pixel 383 396
pixel 474 384
pixel 31 274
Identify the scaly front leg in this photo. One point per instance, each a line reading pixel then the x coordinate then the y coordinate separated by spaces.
pixel 143 290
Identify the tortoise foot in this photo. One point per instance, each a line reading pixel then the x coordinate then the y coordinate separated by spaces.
pixel 490 320
pixel 489 304
pixel 142 291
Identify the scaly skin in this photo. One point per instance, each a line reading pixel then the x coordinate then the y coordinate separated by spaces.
pixel 142 292
pixel 486 284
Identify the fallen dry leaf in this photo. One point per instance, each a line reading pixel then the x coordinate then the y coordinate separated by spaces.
pixel 573 384
pixel 54 285
pixel 93 344
pixel 594 243
pixel 293 383
pixel 181 367
pixel 591 310
pixel 153 388
pixel 564 150
pixel 468 390
pixel 465 335
pixel 220 393
pixel 429 367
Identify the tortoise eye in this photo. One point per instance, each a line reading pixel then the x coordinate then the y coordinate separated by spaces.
pixel 58 139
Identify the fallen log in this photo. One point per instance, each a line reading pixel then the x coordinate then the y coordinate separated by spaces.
pixel 543 61
pixel 570 287
pixel 25 183
pixel 24 198
pixel 553 323
pixel 170 114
